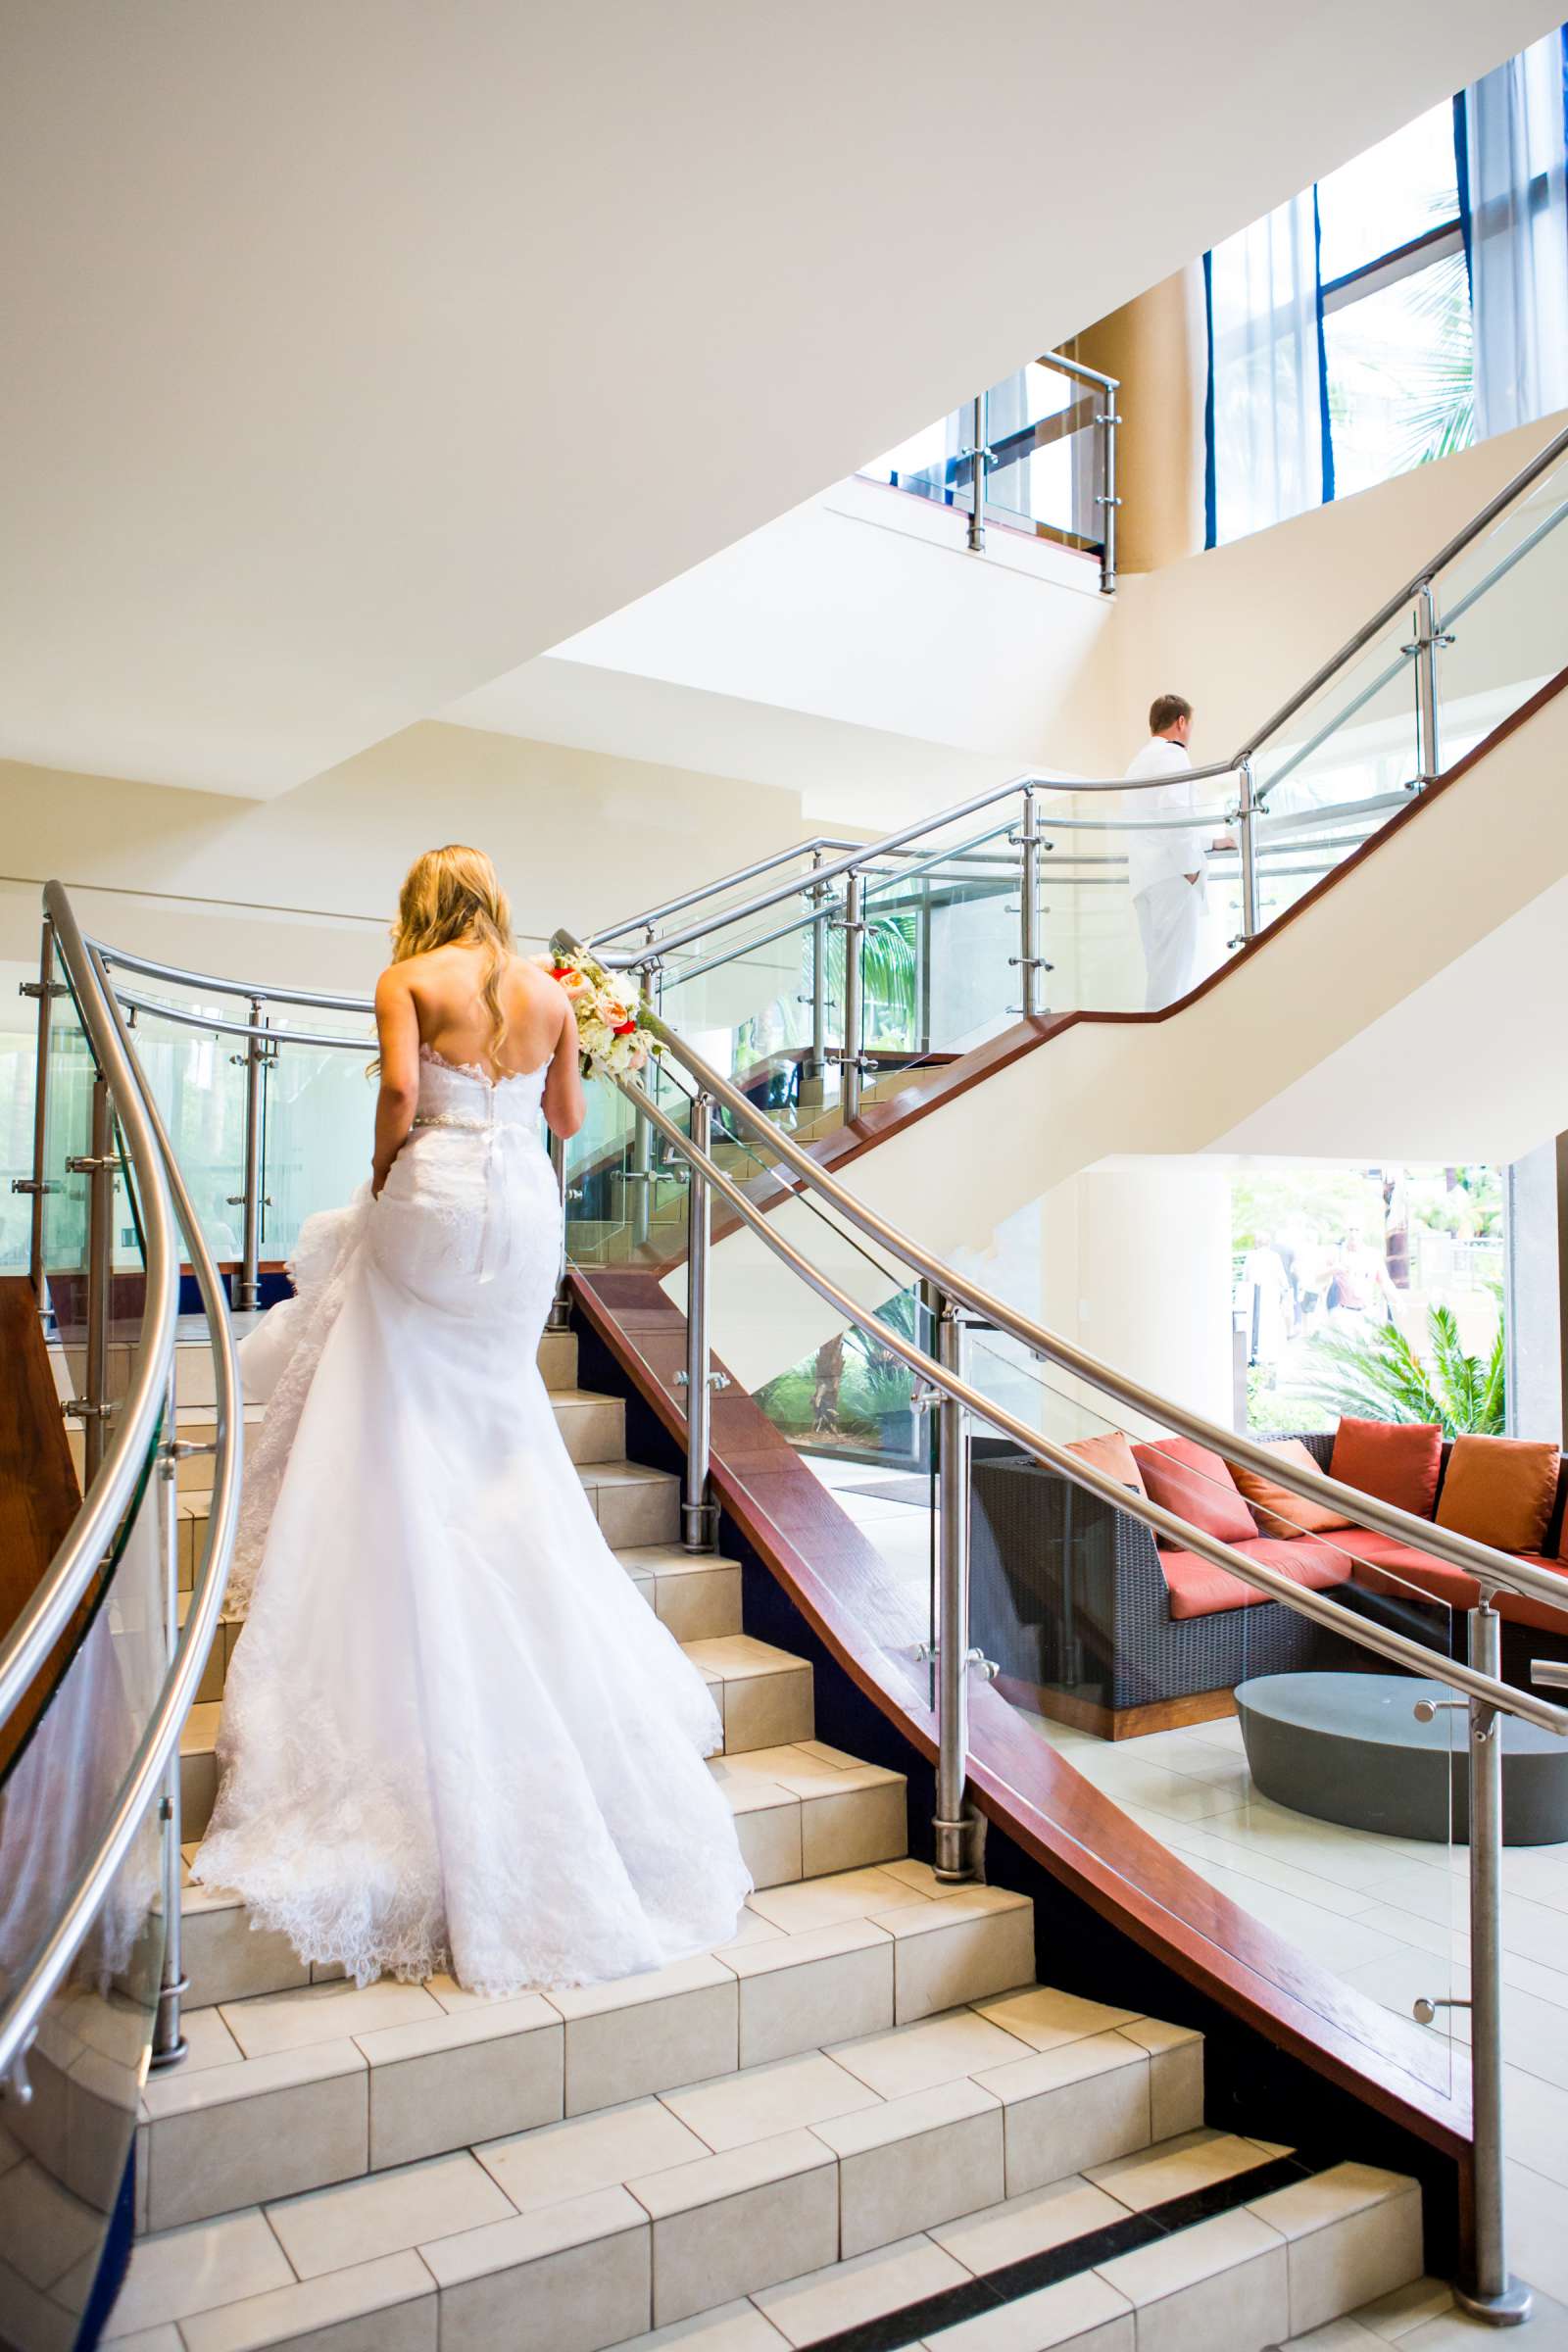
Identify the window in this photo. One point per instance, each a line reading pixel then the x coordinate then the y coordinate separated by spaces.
pixel 1396 305
pixel 1410 303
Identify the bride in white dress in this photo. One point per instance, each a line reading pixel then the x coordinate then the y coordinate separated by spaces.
pixel 454 1735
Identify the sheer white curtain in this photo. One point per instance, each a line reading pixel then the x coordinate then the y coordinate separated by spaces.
pixel 1519 238
pixel 1266 356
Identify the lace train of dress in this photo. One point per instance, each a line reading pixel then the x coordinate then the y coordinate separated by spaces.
pixel 454 1735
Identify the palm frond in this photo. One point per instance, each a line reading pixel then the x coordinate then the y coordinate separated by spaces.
pixel 1377 1375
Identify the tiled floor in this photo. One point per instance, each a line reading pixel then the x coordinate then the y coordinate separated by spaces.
pixel 1387 1914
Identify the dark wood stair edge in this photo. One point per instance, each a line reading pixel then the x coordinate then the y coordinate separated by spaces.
pixel 939 1086
pixel 1078 1836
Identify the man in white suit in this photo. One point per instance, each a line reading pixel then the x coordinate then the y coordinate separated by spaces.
pixel 1167 868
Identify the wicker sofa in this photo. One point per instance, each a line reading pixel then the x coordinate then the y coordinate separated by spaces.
pixel 1094 1624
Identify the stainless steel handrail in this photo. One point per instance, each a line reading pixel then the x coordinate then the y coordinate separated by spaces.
pixel 163 1198
pixel 26 1647
pixel 858 859
pixel 1399 1649
pixel 121 960
pixel 1541 464
pixel 273 1037
pixel 1492 1570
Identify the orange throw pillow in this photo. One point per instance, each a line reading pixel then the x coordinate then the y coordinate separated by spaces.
pixel 1296 1515
pixel 1397 1461
pixel 1111 1453
pixel 1197 1485
pixel 1501 1490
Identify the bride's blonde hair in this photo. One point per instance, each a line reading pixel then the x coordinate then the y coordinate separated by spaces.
pixel 453 895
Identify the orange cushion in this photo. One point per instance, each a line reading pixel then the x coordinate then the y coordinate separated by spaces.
pixel 1521 1608
pixel 1383 1564
pixel 1398 1461
pixel 1296 1516
pixel 1112 1454
pixel 1499 1490
pixel 1197 1486
pixel 1199 1588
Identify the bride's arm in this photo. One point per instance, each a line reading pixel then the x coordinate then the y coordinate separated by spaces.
pixel 396 1029
pixel 565 1105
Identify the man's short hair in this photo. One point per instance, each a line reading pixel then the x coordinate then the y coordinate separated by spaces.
pixel 1165 710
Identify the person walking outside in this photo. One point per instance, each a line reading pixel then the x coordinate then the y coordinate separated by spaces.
pixel 1167 868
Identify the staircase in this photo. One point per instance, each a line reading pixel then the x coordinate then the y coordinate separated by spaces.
pixel 860 2124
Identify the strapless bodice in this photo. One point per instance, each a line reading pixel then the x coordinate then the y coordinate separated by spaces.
pixel 455 1095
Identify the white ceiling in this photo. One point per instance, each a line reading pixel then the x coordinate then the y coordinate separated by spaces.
pixel 357 353
pixel 863 777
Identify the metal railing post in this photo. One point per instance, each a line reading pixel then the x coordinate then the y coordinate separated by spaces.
pixel 169 2040
pixel 640 1174
pixel 850 1059
pixel 699 1513
pixel 248 1201
pixel 1029 959
pixel 560 1316
pixel 954 1858
pixel 977 475
pixel 1428 638
pixel 43 991
pixel 1493 2294
pixel 98 1166
pixel 1109 503
pixel 817 1067
pixel 1248 807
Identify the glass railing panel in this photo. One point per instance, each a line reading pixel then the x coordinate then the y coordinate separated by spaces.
pixel 1088 927
pixel 317 1137
pixel 625 1185
pixel 68 1080
pixel 743 998
pixel 1339 770
pixel 712 902
pixel 1047 468
pixel 1279 1759
pixel 939 954
pixel 69 2147
pixel 1501 608
pixel 197 1079
pixel 19 1061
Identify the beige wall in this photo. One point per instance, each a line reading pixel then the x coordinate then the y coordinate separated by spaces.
pixel 303 886
pixel 1157 346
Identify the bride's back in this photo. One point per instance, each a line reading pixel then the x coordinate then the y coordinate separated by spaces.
pixel 447 985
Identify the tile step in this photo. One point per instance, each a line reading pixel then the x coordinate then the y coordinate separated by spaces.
pixel 802 1812
pixel 324 2081
pixel 574 2237
pixel 762 1694
pixel 635 1507
pixel 562 2094
pixel 593 1425
pixel 193 1363
pixel 696 1595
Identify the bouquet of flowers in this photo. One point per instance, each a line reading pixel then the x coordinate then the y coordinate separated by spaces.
pixel 610 1016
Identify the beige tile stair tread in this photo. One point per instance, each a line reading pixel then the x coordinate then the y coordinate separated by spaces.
pixel 728 1664
pixel 623 2185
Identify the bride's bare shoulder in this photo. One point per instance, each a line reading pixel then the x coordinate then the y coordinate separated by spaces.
pixel 534 979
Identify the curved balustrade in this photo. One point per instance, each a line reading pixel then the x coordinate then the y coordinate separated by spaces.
pixel 98 1674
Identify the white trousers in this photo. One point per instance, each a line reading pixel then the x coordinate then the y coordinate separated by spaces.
pixel 1170 916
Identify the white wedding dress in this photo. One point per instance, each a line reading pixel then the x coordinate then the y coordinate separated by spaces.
pixel 454 1735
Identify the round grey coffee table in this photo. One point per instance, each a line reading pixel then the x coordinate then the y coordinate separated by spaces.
pixel 1347 1747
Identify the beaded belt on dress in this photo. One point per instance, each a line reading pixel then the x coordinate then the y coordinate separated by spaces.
pixel 452 1118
